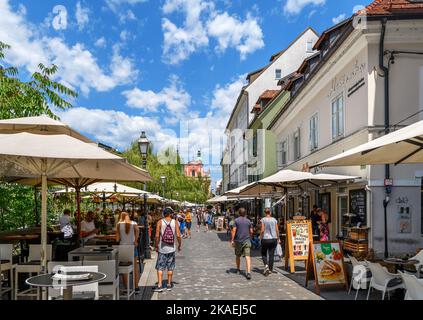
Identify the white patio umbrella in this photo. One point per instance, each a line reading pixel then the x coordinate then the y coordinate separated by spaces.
pixel 276 184
pixel 39 125
pixel 401 146
pixel 218 199
pixel 63 159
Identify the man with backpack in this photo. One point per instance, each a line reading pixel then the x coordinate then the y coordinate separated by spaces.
pixel 166 231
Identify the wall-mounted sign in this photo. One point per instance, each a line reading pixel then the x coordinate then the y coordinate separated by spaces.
pixel 404 219
pixel 349 79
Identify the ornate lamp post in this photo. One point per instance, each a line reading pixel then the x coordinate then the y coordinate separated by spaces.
pixel 163 178
pixel 143 146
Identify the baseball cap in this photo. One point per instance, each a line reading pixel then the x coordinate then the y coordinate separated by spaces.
pixel 168 210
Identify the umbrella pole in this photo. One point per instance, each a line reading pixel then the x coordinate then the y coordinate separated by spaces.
pixel 43 227
pixel 78 212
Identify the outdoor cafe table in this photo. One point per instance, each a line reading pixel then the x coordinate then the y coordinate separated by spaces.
pixel 47 281
pixel 82 252
pixel 400 263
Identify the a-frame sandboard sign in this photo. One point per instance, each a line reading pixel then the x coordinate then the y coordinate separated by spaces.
pixel 326 265
pixel 299 237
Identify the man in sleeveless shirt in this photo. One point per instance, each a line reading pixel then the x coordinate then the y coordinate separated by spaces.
pixel 166 251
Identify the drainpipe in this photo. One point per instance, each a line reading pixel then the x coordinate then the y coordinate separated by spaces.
pixel 386 91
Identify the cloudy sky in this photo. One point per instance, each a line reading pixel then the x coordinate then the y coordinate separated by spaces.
pixel 172 68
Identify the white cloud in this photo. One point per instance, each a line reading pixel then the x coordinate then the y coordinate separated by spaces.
pixel 174 97
pixel 294 7
pixel 358 7
pixel 78 68
pixel 115 5
pixel 112 127
pixel 126 16
pixel 181 42
pixel 101 42
pixel 229 31
pixel 81 15
pixel 202 21
pixel 339 18
pixel 224 97
pixel 60 20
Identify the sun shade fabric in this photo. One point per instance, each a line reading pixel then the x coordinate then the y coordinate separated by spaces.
pixel 39 125
pixel 401 146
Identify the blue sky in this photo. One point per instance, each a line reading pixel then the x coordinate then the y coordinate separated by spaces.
pixel 158 66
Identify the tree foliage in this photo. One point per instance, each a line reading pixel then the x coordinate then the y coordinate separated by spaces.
pixel 34 97
pixel 19 98
pixel 177 186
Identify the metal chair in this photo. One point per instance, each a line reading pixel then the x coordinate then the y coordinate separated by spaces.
pixel 126 266
pixel 109 285
pixel 33 265
pixel 6 265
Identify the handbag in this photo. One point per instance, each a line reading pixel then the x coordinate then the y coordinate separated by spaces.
pixel 278 251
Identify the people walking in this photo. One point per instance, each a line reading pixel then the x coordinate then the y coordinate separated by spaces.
pixel 315 219
pixel 198 216
pixel 188 224
pixel 127 232
pixel 323 225
pixel 269 237
pixel 241 241
pixel 166 232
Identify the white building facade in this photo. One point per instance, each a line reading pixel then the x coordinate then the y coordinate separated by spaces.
pixel 340 105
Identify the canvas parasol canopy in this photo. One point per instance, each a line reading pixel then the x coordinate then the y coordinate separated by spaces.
pixel 60 158
pixel 39 125
pixel 402 146
pixel 283 179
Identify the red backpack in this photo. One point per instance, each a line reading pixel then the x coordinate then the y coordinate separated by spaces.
pixel 168 236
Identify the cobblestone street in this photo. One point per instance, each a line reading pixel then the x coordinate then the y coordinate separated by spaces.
pixel 205 269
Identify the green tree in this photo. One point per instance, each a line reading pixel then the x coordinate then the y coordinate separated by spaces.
pixel 34 97
pixel 18 98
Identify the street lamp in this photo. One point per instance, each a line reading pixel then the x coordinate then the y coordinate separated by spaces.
pixel 143 146
pixel 163 178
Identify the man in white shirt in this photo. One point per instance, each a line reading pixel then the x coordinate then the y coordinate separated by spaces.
pixel 88 229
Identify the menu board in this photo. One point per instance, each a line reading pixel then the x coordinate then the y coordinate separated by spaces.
pixel 327 264
pixel 358 206
pixel 297 244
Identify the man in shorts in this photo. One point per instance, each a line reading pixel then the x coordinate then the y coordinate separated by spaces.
pixel 166 231
pixel 242 233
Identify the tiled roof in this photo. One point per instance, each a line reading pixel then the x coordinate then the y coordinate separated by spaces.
pixel 268 94
pixel 390 7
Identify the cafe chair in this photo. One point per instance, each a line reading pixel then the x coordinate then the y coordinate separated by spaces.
pixel 383 280
pixel 419 266
pixel 53 267
pixel 126 266
pixel 361 275
pixel 110 285
pixel 6 265
pixel 413 287
pixel 86 291
pixel 32 265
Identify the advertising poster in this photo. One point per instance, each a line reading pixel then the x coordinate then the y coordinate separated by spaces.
pixel 300 239
pixel 329 263
pixel 404 219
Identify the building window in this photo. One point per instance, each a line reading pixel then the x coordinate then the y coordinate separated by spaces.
pixel 338 117
pixel 309 46
pixel 255 143
pixel 314 134
pixel 282 153
pixel 193 173
pixel 278 74
pixel 297 146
